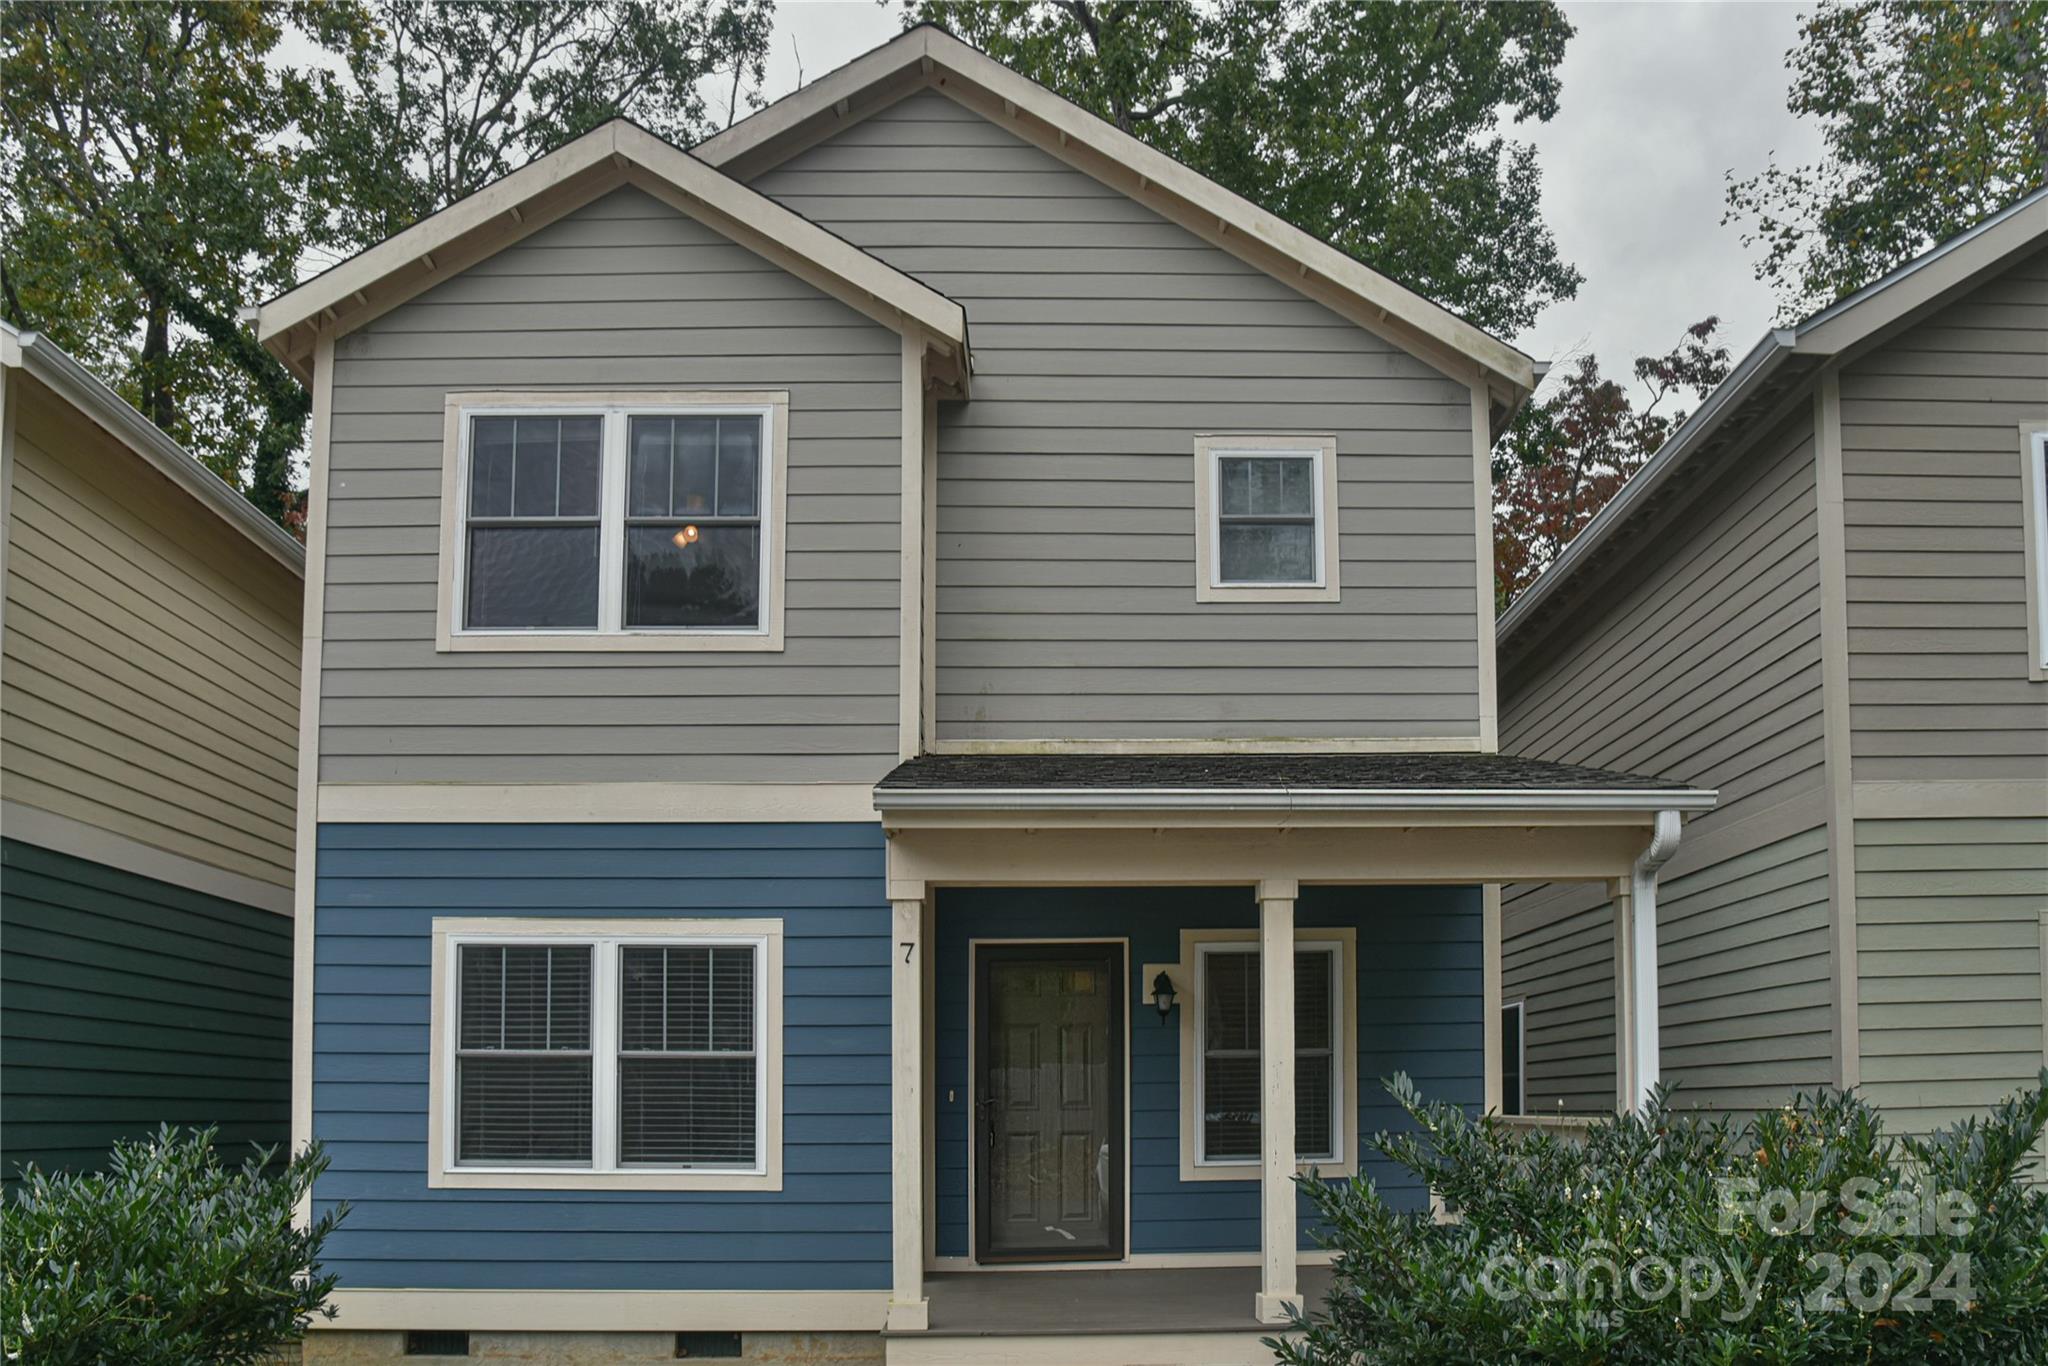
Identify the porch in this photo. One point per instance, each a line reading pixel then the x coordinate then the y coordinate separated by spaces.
pixel 1191 1316
pixel 1130 1008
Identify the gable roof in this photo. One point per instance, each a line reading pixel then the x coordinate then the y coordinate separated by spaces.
pixel 1776 371
pixel 617 153
pixel 928 57
pixel 34 354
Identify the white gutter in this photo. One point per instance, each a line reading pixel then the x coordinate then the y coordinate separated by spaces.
pixel 56 368
pixel 1759 365
pixel 1642 958
pixel 1666 800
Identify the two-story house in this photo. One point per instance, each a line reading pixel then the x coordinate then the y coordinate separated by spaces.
pixel 1824 598
pixel 898 731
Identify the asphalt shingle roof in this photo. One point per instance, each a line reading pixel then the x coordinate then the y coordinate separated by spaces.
pixel 1322 772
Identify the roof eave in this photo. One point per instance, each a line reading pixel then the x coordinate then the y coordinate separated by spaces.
pixel 61 372
pixel 1293 799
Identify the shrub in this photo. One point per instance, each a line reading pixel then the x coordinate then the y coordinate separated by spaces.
pixel 165 1257
pixel 1806 1235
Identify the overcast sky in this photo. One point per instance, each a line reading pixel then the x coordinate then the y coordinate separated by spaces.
pixel 1660 101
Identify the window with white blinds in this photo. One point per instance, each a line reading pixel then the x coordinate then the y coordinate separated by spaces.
pixel 605 1054
pixel 1227 1048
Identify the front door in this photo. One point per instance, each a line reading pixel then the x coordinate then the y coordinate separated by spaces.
pixel 1049 1102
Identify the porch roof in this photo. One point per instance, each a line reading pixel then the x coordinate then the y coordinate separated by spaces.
pixel 1348 781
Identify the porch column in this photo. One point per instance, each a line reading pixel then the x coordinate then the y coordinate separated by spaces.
pixel 908 1309
pixel 1637 1067
pixel 1277 1234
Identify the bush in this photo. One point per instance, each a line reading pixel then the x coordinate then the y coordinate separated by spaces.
pixel 1807 1235
pixel 165 1257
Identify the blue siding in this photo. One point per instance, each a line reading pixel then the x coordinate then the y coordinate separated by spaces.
pixel 380 886
pixel 1421 1007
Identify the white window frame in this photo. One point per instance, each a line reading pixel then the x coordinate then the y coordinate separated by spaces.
pixel 1189 980
pixel 606 938
pixel 1521 1009
pixel 2034 516
pixel 617 408
pixel 1210 449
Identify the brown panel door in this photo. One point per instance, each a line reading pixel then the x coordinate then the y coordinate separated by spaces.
pixel 1049 1102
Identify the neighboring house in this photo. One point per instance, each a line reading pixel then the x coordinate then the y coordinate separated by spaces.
pixel 149 660
pixel 1824 598
pixel 904 695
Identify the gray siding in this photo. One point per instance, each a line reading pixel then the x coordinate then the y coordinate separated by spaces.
pixel 1938 684
pixel 1948 948
pixel 1704 665
pixel 151 680
pixel 1105 337
pixel 624 293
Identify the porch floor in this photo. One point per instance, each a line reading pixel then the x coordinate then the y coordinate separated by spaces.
pixel 1208 1299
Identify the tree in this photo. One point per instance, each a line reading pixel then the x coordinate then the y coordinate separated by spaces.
pixel 436 101
pixel 147 196
pixel 164 167
pixel 1376 127
pixel 1934 113
pixel 1569 453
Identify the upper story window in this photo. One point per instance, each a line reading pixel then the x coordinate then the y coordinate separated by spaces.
pixel 618 1053
pixel 2034 489
pixel 1265 518
pixel 613 522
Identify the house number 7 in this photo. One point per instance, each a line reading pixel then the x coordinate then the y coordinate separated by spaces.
pixel 908 945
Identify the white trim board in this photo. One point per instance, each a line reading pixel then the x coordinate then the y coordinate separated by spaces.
pixel 65 835
pixel 2034 520
pixel 595 803
pixel 622 1311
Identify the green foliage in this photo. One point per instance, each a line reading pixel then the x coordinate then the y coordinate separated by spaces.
pixel 436 101
pixel 164 1259
pixel 1376 127
pixel 1555 1253
pixel 1934 114
pixel 145 195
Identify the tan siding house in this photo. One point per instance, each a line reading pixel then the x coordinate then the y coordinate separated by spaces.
pixel 1867 904
pixel 149 674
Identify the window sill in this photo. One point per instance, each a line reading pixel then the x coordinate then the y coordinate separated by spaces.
pixel 1276 592
pixel 1250 1171
pixel 527 1178
pixel 607 642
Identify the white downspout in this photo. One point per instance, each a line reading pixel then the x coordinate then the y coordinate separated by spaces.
pixel 1663 844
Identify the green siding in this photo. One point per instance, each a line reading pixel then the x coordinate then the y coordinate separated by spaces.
pixel 126 1003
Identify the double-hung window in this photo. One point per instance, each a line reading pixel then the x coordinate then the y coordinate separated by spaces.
pixel 615 522
pixel 1230 1097
pixel 614 1053
pixel 1265 511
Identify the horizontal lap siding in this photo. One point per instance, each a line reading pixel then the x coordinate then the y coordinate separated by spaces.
pixel 380 887
pixel 127 1003
pixel 1938 685
pixel 1104 338
pixel 152 654
pixel 1948 948
pixel 623 294
pixel 1420 1009
pixel 1703 667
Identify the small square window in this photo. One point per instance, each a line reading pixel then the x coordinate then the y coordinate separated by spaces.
pixel 1265 508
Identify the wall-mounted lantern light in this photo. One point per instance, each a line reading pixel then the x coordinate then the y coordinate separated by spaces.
pixel 1162 994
